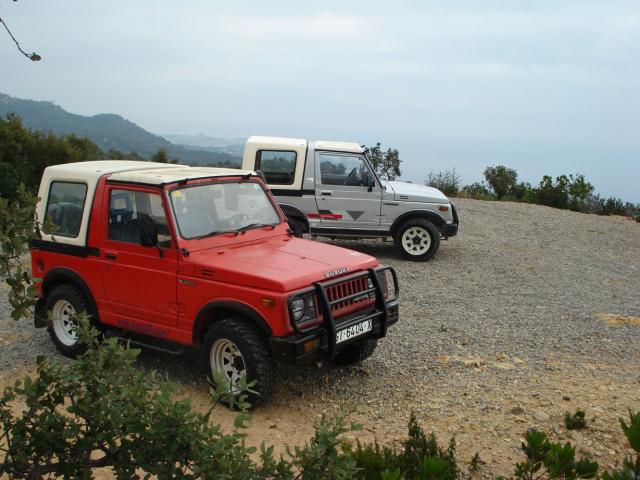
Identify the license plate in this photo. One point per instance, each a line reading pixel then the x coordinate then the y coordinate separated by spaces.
pixel 354 331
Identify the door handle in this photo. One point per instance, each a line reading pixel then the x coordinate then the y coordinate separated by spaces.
pixel 110 256
pixel 326 194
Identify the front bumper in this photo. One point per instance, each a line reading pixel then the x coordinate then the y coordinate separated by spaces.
pixel 320 341
pixel 295 348
pixel 450 229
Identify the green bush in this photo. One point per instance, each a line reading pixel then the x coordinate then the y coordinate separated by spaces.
pixel 448 182
pixel 501 180
pixel 477 191
pixel 575 421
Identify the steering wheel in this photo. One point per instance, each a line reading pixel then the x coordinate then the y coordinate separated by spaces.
pixel 235 220
pixel 352 178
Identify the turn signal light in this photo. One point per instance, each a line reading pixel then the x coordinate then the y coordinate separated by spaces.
pixel 269 302
pixel 310 345
pixel 443 209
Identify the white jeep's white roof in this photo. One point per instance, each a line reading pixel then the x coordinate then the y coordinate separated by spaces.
pixel 350 147
pixel 276 142
pixel 156 176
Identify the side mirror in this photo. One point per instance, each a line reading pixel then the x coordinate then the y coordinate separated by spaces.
pixel 149 235
pixel 369 181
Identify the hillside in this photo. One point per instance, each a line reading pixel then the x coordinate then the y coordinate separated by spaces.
pixel 232 146
pixel 108 131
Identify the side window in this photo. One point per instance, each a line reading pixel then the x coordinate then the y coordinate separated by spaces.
pixel 278 167
pixel 128 210
pixel 65 207
pixel 342 170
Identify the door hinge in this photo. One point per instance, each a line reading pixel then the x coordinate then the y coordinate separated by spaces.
pixel 176 307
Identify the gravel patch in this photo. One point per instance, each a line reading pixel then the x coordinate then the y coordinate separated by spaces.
pixel 508 319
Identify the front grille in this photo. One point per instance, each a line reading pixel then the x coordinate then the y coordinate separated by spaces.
pixel 344 289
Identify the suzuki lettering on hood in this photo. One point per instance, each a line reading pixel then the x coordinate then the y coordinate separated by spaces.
pixel 335 273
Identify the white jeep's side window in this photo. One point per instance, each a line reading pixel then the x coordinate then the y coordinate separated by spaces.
pixel 278 167
pixel 65 206
pixel 342 170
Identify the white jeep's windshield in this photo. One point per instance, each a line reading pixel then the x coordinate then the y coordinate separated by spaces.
pixel 206 210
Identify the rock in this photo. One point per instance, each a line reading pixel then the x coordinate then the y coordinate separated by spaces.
pixel 273 426
pixel 566 398
pixel 541 416
pixel 517 411
pixel 504 365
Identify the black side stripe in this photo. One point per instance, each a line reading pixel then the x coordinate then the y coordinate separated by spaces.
pixel 63 248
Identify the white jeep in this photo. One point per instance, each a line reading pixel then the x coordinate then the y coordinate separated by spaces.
pixel 330 189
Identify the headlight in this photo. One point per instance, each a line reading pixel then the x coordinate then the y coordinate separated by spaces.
pixel 303 308
pixel 297 308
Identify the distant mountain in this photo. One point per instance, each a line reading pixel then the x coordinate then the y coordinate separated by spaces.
pixel 232 146
pixel 108 131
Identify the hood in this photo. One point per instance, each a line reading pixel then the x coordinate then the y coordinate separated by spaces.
pixel 410 192
pixel 280 263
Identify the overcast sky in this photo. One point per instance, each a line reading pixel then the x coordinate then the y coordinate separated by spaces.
pixel 545 87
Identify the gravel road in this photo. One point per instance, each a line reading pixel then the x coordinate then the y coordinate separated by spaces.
pixel 528 312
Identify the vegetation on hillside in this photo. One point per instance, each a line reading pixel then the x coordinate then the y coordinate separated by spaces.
pixel 107 131
pixel 572 192
pixel 25 153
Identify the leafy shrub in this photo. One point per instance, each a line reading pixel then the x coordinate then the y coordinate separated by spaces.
pixel 477 191
pixel 419 456
pixel 501 179
pixel 575 421
pixel 448 182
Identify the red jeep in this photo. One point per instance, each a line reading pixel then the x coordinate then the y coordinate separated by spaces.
pixel 201 257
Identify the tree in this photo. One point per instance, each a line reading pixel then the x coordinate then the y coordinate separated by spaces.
pixel 386 164
pixel 448 182
pixel 33 56
pixel 501 179
pixel 162 156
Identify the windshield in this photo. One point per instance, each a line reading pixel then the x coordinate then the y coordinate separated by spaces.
pixel 206 210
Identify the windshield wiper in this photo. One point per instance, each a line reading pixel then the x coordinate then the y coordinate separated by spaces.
pixel 254 225
pixel 236 231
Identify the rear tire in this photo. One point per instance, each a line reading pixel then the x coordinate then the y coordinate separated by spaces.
pixel 356 353
pixel 417 239
pixel 65 302
pixel 236 348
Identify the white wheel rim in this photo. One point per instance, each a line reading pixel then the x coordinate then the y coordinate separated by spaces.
pixel 416 240
pixel 65 324
pixel 226 358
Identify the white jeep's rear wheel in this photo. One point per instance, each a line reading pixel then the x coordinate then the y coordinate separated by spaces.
pixel 417 239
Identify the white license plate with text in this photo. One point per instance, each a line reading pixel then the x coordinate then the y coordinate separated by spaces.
pixel 354 331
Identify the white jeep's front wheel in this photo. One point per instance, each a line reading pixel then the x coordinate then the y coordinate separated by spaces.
pixel 418 239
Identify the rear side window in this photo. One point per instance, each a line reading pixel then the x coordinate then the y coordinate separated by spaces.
pixel 278 167
pixel 65 206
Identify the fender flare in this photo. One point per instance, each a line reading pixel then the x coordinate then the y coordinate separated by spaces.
pixel 204 317
pixel 294 212
pixel 59 275
pixel 433 217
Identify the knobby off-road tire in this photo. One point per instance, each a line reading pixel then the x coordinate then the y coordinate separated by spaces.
pixel 237 348
pixel 65 302
pixel 417 239
pixel 355 353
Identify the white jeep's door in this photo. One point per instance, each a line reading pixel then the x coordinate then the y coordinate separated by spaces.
pixel 348 194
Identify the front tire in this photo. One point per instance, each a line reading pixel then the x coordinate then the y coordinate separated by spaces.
pixel 418 240
pixel 355 353
pixel 65 302
pixel 235 348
